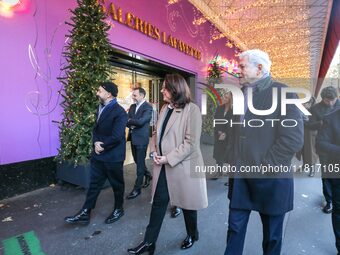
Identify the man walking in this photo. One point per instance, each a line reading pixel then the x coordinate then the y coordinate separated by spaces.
pixel 270 144
pixel 328 141
pixel 108 155
pixel 329 102
pixel 140 114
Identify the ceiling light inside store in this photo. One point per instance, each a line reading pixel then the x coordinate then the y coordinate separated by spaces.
pixel 291 32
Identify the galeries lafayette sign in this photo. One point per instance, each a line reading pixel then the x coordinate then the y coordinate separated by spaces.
pixel 150 30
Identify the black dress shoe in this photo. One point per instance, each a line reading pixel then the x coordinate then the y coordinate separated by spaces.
pixel 189 241
pixel 133 194
pixel 147 181
pixel 175 211
pixel 143 247
pixel 82 217
pixel 114 216
pixel 328 208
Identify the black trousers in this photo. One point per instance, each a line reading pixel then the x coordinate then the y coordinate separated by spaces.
pixel 336 211
pixel 139 154
pixel 100 171
pixel 158 210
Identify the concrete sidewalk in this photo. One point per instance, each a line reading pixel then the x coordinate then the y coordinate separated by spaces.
pixel 307 230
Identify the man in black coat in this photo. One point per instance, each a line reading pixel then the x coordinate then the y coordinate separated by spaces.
pixel 270 144
pixel 329 101
pixel 108 155
pixel 140 114
pixel 328 142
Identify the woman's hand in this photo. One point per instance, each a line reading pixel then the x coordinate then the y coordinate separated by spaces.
pixel 222 137
pixel 160 160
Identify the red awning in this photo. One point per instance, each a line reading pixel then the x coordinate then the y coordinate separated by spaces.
pixel 331 44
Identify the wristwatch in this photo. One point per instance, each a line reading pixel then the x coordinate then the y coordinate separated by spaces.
pixel 151 154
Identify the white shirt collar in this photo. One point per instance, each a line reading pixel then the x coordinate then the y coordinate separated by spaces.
pixel 140 103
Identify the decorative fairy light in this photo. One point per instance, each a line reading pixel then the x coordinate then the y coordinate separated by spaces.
pixel 199 21
pixel 281 28
pixel 172 2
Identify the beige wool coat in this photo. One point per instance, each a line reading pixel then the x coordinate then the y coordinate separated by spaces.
pixel 181 146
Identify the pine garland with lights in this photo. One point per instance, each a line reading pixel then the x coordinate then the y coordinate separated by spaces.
pixel 214 77
pixel 87 55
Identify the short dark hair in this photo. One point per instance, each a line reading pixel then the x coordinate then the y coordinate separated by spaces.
pixel 141 91
pixel 178 88
pixel 329 93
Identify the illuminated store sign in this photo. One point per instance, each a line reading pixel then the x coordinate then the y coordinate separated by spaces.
pixel 150 30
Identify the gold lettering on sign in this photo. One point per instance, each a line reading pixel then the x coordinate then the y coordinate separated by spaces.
pixel 130 20
pixel 145 27
pixel 120 15
pixel 101 4
pixel 157 36
pixel 163 37
pixel 148 29
pixel 112 12
pixel 169 41
pixel 137 24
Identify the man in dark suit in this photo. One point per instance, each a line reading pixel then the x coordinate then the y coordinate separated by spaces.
pixel 329 101
pixel 268 145
pixel 328 142
pixel 108 155
pixel 140 114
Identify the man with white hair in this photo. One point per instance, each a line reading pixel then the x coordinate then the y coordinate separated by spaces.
pixel 270 145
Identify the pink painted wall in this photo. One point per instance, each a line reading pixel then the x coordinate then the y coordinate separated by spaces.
pixel 30 58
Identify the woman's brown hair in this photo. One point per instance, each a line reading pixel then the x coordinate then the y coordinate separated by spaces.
pixel 178 88
pixel 228 92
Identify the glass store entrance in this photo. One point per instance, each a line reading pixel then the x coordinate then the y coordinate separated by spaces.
pixel 129 79
pixel 130 71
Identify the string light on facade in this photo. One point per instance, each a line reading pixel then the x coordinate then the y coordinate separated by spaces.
pixel 172 2
pixel 290 31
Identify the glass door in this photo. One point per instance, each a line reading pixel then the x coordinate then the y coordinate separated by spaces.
pixel 155 99
pixel 126 80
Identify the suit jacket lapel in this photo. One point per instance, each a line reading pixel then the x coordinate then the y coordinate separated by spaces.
pixel 174 116
pixel 139 109
pixel 105 112
pixel 133 110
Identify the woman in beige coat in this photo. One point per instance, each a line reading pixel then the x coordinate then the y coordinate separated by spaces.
pixel 175 148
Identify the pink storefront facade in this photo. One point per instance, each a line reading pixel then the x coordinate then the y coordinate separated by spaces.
pixel 31 45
